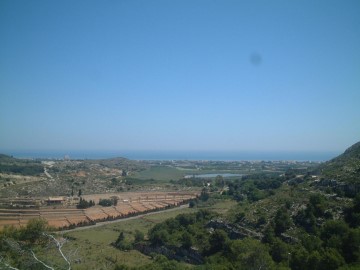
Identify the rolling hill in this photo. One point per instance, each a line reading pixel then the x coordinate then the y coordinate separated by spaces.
pixel 345 167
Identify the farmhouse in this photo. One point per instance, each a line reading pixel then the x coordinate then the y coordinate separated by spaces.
pixel 55 200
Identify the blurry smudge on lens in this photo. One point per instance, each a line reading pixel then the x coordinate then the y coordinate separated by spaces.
pixel 255 59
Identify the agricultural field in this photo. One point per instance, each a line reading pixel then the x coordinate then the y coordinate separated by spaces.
pixel 160 173
pixel 90 241
pixel 63 216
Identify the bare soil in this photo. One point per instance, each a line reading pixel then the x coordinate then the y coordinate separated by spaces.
pixel 63 216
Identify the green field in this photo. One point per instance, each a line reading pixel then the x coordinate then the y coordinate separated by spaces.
pixel 94 248
pixel 166 173
pixel 222 207
pixel 162 173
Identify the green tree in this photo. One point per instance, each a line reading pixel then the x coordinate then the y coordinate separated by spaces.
pixel 219 181
pixel 269 234
pixel 83 204
pixel 106 202
pixel 249 254
pixel 139 236
pixel 317 203
pixel 311 242
pixel 331 260
pixel 217 241
pixel 187 240
pixel 114 200
pixel 314 260
pixel 121 242
pixel 352 214
pixel 204 196
pixel 299 258
pixel 282 221
pixel 334 233
pixel 351 246
pixel 307 220
pixel 192 203
pixel 185 219
pixel 279 251
pixel 120 238
pixel 34 230
pixel 159 237
pixel 254 194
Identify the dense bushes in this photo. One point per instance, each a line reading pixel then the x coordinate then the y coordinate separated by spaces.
pixel 25 169
pixel 16 245
pixel 83 204
pixel 108 202
pixel 189 231
pixel 320 243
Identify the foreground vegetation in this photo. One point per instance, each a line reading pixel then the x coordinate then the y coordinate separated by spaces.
pixel 193 238
pixel 308 239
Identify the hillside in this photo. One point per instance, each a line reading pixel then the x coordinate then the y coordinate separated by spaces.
pixel 345 167
pixel 28 177
pixel 6 158
pixel 119 162
pixel 10 165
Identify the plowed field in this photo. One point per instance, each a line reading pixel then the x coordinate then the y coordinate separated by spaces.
pixel 128 204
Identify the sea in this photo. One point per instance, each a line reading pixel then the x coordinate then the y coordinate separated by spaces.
pixel 177 155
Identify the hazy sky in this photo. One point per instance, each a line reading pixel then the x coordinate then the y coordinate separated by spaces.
pixel 179 75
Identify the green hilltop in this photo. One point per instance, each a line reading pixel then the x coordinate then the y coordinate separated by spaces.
pixel 345 167
pixel 11 165
pixel 6 158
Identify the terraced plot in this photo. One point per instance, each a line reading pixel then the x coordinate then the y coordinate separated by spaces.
pixel 64 217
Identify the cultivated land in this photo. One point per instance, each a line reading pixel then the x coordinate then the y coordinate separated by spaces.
pixel 51 188
pixel 64 216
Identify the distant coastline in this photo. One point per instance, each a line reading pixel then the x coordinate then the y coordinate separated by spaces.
pixel 178 155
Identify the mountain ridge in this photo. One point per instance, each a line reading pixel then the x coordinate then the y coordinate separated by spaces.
pixel 345 167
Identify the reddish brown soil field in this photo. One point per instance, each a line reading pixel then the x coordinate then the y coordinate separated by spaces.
pixel 128 203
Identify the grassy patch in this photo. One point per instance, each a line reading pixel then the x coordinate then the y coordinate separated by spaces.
pixel 162 173
pixel 95 250
pixel 94 244
pixel 222 207
pixel 162 217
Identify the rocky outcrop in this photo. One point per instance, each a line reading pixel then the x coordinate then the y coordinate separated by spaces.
pixel 173 253
pixel 350 189
pixel 234 231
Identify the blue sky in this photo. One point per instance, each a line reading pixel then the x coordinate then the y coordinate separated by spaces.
pixel 179 75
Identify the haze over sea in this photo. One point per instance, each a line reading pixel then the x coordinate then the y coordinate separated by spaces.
pixel 180 155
